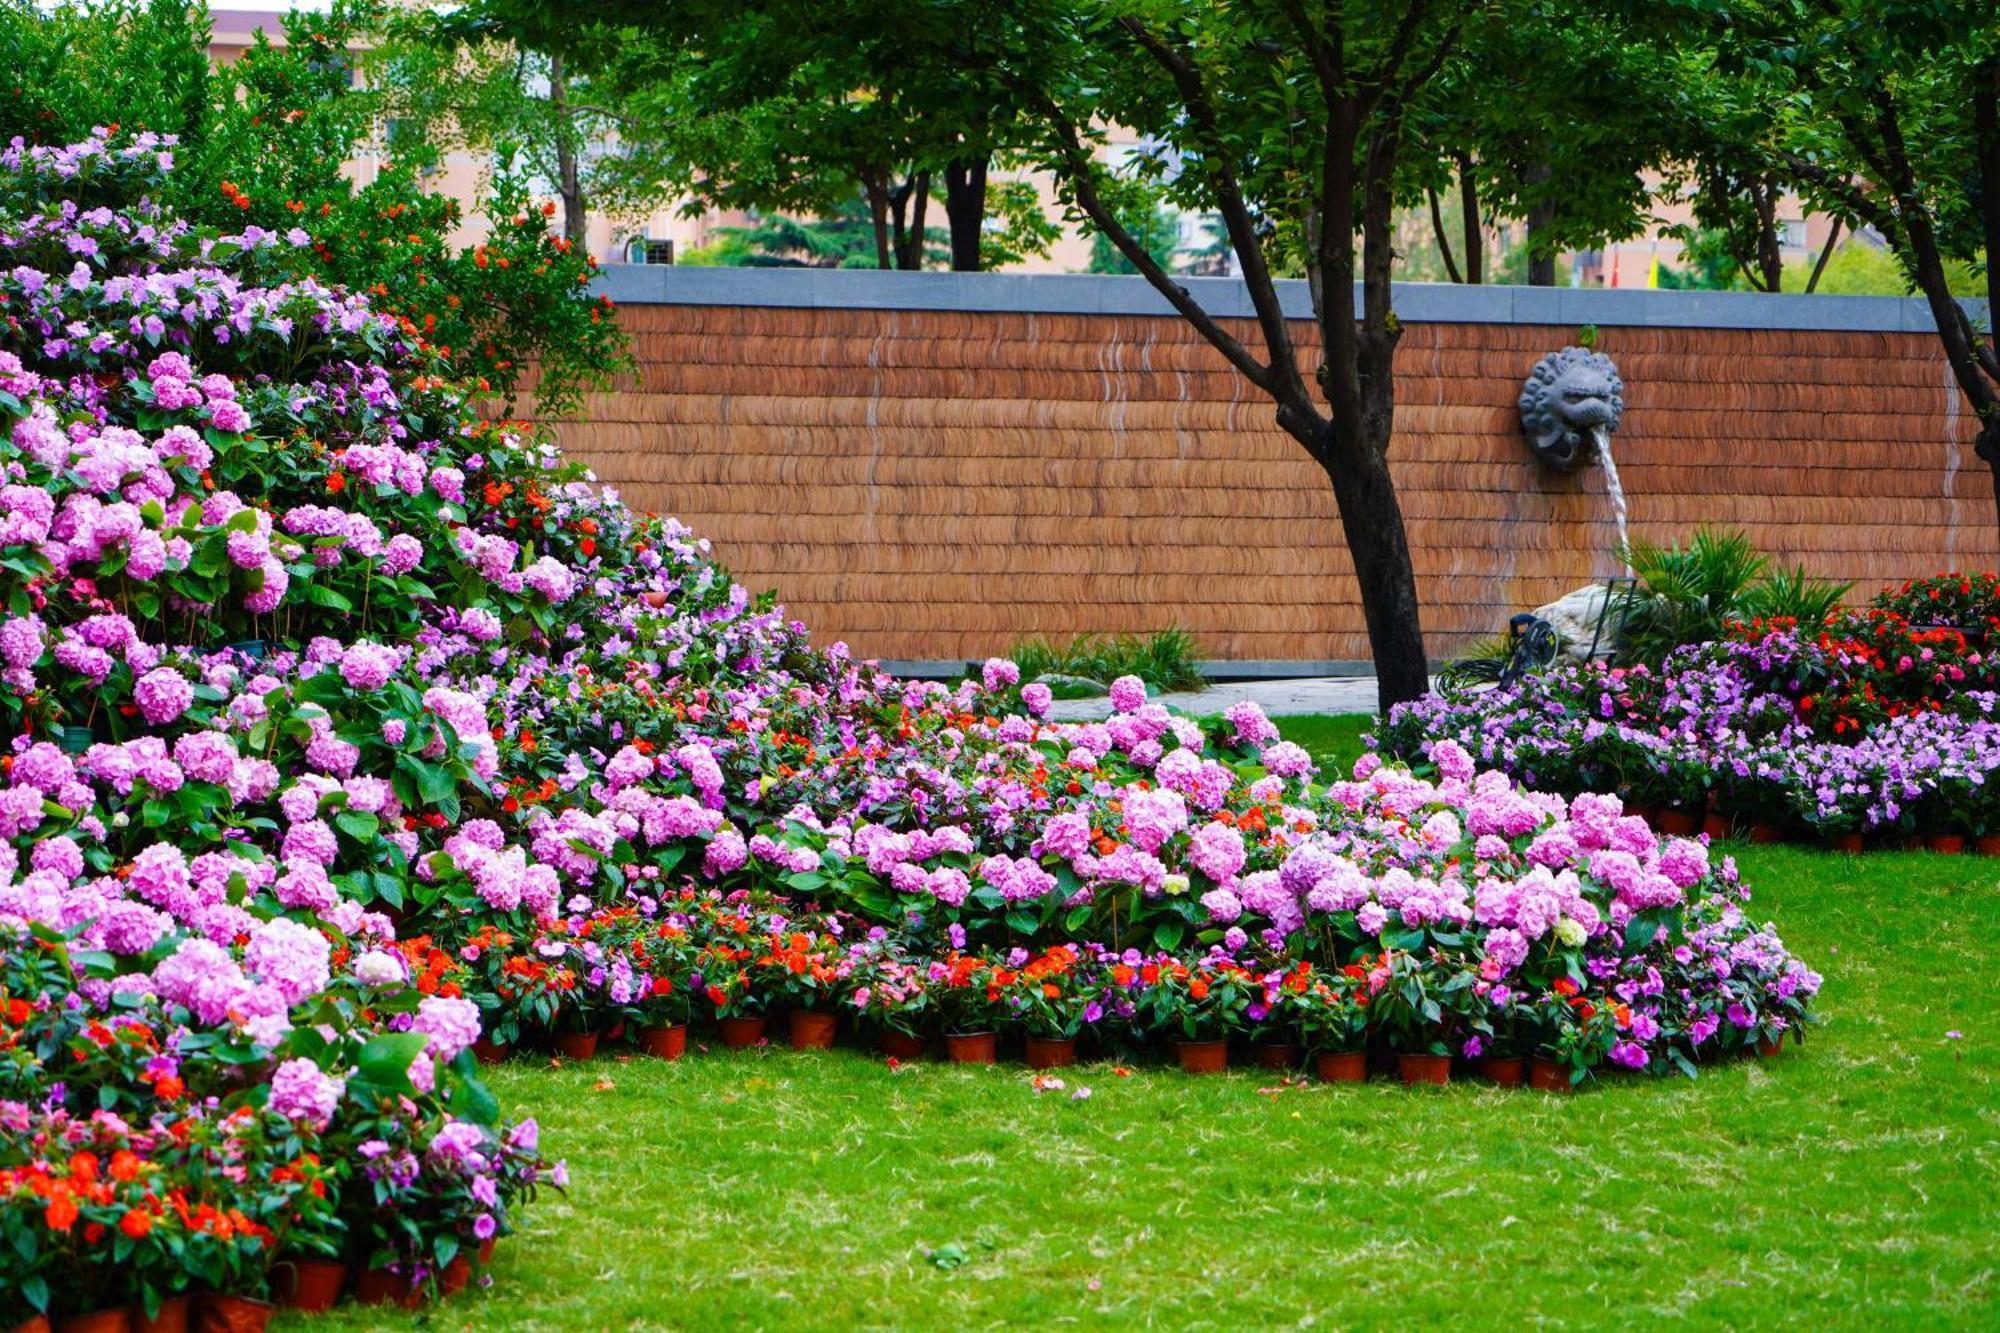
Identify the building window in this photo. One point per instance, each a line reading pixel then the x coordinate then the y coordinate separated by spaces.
pixel 1792 233
pixel 645 250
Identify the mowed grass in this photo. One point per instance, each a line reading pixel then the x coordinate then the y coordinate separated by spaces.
pixel 1849 1182
pixel 1332 739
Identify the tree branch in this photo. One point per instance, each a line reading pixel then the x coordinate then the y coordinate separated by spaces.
pixel 1283 367
pixel 1083 181
pixel 1826 253
pixel 1444 242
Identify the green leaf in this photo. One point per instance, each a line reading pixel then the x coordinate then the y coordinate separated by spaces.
pixel 1402 939
pixel 1022 922
pixel 471 1099
pixel 1168 934
pixel 385 1061
pixel 320 595
pixel 358 825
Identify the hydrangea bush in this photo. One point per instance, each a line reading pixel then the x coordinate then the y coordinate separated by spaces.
pixel 347 730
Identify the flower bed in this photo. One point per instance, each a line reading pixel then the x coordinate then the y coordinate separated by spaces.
pixel 1871 726
pixel 353 736
pixel 1456 918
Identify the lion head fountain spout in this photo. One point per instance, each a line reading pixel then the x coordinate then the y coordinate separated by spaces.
pixel 1571 404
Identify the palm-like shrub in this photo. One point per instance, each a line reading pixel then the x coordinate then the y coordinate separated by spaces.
pixel 1688 594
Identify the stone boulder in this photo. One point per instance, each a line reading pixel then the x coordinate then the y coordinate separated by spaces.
pixel 1575 616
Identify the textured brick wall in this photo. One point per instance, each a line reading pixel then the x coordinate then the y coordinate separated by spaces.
pixel 935 484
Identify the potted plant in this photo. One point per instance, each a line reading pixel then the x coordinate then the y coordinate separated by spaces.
pixel 1572 1036
pixel 1273 1021
pixel 1049 997
pixel 1204 1005
pixel 1330 1011
pixel 722 970
pixel 966 990
pixel 807 971
pixel 1421 1007
pixel 890 996
pixel 662 957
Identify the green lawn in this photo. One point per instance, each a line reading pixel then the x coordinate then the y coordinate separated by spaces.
pixel 1853 1181
pixel 1333 740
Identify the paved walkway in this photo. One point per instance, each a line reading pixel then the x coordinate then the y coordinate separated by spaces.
pixel 1311 694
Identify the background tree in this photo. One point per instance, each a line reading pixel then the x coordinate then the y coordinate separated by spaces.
pixel 1552 120
pixel 1888 112
pixel 786 106
pixel 445 85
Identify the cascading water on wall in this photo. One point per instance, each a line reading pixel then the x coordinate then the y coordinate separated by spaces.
pixel 1615 490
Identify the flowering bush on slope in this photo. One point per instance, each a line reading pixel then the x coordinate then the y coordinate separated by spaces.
pixel 210 470
pixel 301 658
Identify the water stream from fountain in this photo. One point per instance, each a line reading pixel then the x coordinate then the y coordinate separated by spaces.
pixel 1615 490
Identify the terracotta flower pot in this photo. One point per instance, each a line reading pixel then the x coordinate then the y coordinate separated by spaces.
pixel 1989 845
pixel 1342 1066
pixel 1680 823
pixel 1847 842
pixel 1770 1046
pixel 577 1045
pixel 654 597
pixel 1202 1057
pixel 1951 844
pixel 379 1286
pixel 37 1324
pixel 1764 833
pixel 486 1251
pixel 1051 1052
pixel 1429 1069
pixel 1508 1071
pixel 812 1030
pixel 669 1043
pixel 741 1031
pixel 490 1052
pixel 903 1046
pixel 1275 1054
pixel 176 1316
pixel 1716 825
pixel 456 1274
pixel 1649 813
pixel 971 1048
pixel 312 1285
pixel 234 1314
pixel 1549 1076
pixel 97 1321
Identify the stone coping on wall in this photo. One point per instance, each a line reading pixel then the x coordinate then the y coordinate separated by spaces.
pixel 1103 294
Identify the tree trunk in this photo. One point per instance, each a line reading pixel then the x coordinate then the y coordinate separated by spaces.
pixel 569 176
pixel 877 195
pixel 1475 235
pixel 1444 241
pixel 965 209
pixel 1825 253
pixel 1351 444
pixel 1541 217
pixel 910 202
pixel 1770 261
pixel 1986 141
pixel 1371 519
